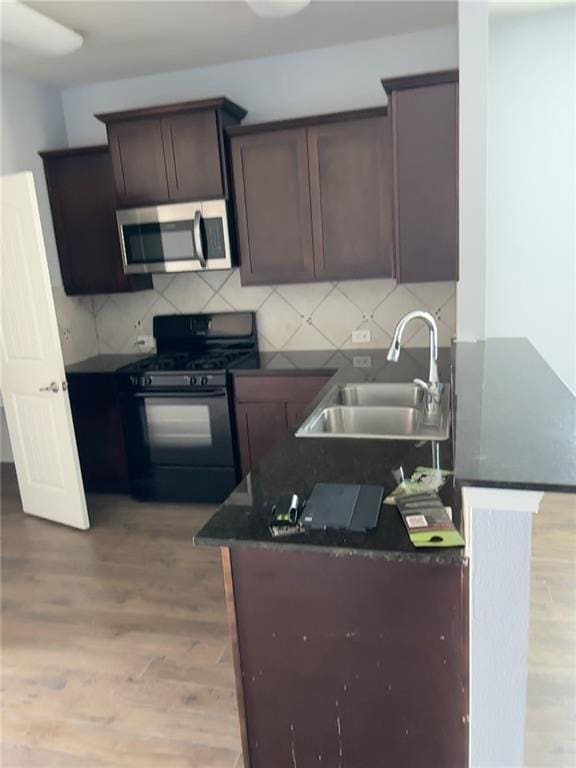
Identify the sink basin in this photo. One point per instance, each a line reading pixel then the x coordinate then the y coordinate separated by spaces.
pixel 379 394
pixel 367 421
pixel 385 411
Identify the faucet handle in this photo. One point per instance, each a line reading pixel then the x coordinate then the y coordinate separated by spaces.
pixel 434 389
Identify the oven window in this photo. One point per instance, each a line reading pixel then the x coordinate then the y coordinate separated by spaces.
pixel 159 242
pixel 177 427
pixel 185 430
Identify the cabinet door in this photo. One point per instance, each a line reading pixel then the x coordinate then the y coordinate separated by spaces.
pixel 260 426
pixel 82 200
pixel 426 170
pixel 273 206
pixel 351 189
pixel 138 159
pixel 192 156
pixel 295 414
pixel 98 427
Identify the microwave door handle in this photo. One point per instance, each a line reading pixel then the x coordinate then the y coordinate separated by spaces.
pixel 198 239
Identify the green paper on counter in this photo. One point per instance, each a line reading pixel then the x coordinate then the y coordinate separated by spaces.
pixel 423 479
pixel 427 521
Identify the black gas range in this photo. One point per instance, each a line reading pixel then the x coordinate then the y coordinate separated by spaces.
pixel 177 408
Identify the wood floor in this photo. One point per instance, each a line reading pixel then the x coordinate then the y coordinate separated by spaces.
pixel 551 713
pixel 115 642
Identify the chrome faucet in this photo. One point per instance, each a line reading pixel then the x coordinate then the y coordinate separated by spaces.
pixel 432 387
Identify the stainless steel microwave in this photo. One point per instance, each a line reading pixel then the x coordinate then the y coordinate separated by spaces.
pixel 179 237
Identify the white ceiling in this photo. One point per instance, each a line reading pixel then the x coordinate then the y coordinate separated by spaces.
pixel 128 38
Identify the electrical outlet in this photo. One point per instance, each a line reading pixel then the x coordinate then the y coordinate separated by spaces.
pixel 145 342
pixel 361 336
pixel 362 361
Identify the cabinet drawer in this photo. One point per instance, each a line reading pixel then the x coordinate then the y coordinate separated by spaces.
pixel 288 389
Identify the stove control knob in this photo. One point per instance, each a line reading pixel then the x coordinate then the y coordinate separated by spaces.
pixel 134 381
pixel 148 380
pixel 204 380
pixel 193 380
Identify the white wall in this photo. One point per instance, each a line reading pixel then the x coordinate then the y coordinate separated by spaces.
pixel 32 120
pixel 309 82
pixel 473 62
pixel 531 178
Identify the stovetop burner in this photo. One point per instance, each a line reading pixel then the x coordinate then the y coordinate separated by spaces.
pixel 217 359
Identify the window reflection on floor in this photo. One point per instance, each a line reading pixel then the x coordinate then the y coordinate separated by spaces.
pixel 551 711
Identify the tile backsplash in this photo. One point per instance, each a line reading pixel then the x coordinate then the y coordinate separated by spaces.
pixel 76 324
pixel 289 317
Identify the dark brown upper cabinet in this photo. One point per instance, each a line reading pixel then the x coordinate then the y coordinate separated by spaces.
pixel 314 198
pixel 273 206
pixel 171 153
pixel 424 112
pixel 352 214
pixel 83 203
pixel 138 161
pixel 192 152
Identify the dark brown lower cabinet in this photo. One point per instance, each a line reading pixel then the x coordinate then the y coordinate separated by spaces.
pixel 267 407
pixel 348 661
pixel 98 428
pixel 260 426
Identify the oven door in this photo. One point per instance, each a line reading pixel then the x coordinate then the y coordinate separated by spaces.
pixel 179 445
pixel 188 429
pixel 175 238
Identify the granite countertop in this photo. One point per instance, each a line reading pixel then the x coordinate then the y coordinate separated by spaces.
pixel 514 426
pixel 515 419
pixel 295 465
pixel 103 363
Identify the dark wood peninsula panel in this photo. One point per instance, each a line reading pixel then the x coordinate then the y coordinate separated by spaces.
pixel 347 660
pixel 83 204
pixel 424 112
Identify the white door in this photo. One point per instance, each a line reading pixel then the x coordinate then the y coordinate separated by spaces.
pixel 32 375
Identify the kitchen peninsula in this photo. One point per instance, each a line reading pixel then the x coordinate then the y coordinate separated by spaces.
pixel 353 647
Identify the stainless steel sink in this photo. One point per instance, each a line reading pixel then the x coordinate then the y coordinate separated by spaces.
pixel 367 421
pixel 385 411
pixel 384 394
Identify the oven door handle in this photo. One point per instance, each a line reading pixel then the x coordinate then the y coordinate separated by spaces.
pixel 193 394
pixel 198 239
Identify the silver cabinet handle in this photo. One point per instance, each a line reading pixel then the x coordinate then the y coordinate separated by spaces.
pixel 198 239
pixel 52 387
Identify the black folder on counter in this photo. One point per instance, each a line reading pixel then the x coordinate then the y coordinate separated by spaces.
pixel 343 506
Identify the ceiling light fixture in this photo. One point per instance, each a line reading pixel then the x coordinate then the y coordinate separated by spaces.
pixel 275 9
pixel 24 27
